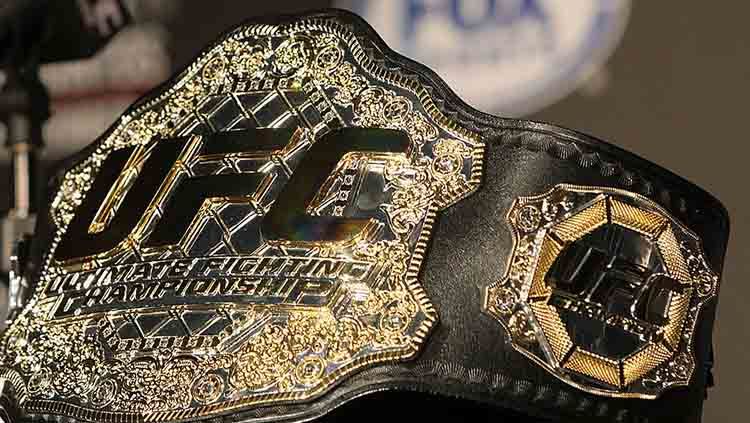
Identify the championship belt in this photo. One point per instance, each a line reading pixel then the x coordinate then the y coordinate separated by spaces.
pixel 302 218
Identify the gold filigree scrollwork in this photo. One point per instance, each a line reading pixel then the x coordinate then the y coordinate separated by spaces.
pixel 309 315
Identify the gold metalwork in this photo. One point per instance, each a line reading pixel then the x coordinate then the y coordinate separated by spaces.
pixel 678 310
pixel 582 223
pixel 671 251
pixel 542 227
pixel 549 252
pixel 550 322
pixel 644 361
pixel 158 363
pixel 631 217
pixel 594 365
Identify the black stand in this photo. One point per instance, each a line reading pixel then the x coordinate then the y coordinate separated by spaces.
pixel 32 32
pixel 24 107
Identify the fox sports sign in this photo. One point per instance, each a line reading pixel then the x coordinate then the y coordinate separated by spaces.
pixel 505 56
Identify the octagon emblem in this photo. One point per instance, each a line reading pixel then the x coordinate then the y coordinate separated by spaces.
pixel 603 289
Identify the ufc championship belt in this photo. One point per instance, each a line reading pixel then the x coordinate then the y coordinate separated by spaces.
pixel 302 218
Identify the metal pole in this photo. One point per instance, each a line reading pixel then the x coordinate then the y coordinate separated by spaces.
pixel 25 107
pixel 23 162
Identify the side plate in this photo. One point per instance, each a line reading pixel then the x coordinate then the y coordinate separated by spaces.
pixel 603 290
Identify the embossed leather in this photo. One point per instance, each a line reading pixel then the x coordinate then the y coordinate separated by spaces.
pixel 467 365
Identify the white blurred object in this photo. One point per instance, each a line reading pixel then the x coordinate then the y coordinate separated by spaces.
pixel 88 95
pixel 135 59
pixel 78 124
pixel 504 56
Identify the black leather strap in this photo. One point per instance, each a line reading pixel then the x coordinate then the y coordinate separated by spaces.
pixel 468 357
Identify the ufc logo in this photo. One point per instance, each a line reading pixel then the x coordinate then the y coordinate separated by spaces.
pixel 287 218
pixel 601 275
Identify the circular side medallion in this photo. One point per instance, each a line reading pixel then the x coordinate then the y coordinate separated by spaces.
pixel 603 290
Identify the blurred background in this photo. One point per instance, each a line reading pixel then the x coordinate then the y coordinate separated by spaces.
pixel 666 80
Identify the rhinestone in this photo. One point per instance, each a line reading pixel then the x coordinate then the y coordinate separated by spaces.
pixel 208 388
pixel 397 109
pixel 393 321
pixel 505 300
pixel 520 327
pixel 448 164
pixel 104 393
pixel 39 381
pixel 329 58
pixel 214 69
pixel 528 218
pixel 310 370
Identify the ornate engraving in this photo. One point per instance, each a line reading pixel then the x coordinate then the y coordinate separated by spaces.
pixel 603 289
pixel 226 318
